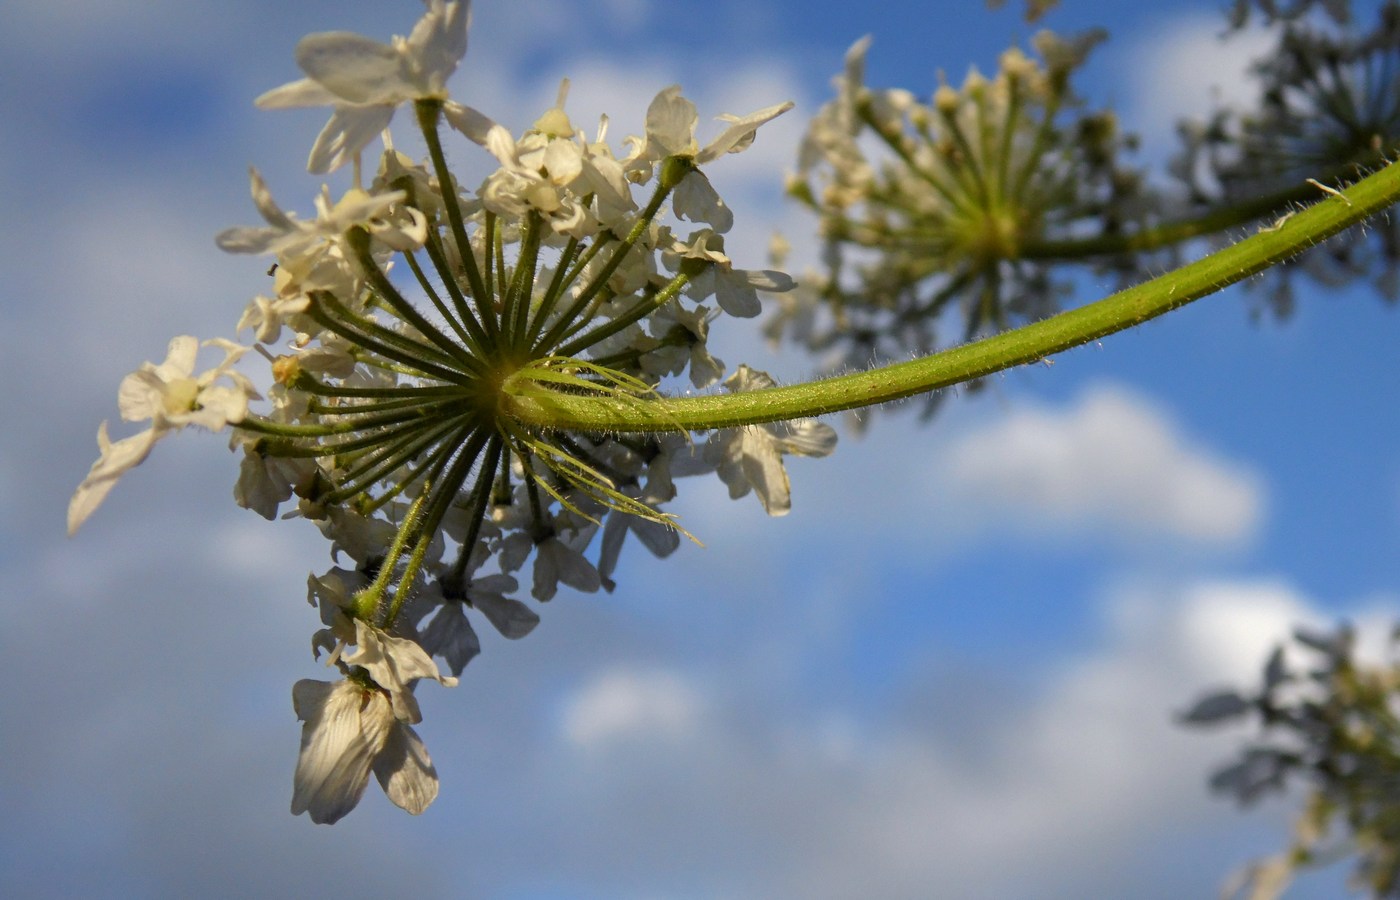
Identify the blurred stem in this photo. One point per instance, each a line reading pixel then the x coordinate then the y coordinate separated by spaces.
pixel 1168 234
pixel 1027 344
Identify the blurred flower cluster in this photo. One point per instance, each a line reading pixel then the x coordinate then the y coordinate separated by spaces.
pixel 1333 727
pixel 951 207
pixel 1329 111
pixel 403 321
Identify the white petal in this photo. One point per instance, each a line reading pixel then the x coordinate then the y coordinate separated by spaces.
pixel 512 618
pixel 349 130
pixel 696 199
pixel 740 133
pixel 115 460
pixel 261 486
pixel 394 663
pixel 763 467
pixel 769 280
pixel 295 94
pixel 179 358
pixel 671 124
pixel 735 296
pixel 346 728
pixel 355 68
pixel 563 160
pixel 249 240
pixel 140 396
pixel 220 405
pixel 556 561
pixel 405 770
pixel 662 540
pixel 439 41
pixel 451 636
pixel 468 121
pixel 808 437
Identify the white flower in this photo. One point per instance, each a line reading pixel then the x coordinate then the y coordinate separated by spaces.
pixel 752 456
pixel 265 481
pixel 310 254
pixel 558 557
pixel 350 730
pixel 450 635
pixel 365 80
pixel 736 290
pixel 671 121
pixel 171 397
pixel 658 537
pixel 394 663
pixel 682 335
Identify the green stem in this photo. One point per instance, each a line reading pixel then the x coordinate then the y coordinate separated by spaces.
pixel 600 280
pixel 1168 233
pixel 428 113
pixel 1003 351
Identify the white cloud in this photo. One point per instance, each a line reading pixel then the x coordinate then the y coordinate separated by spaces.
pixel 1058 791
pixel 621 704
pixel 1181 69
pixel 1111 461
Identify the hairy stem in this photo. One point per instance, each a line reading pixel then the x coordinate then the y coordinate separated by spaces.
pixel 1030 343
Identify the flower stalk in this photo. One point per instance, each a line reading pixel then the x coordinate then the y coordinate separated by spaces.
pixel 1027 344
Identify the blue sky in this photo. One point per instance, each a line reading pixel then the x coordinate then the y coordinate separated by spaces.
pixel 949 672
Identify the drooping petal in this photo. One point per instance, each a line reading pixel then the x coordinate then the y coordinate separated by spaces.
pixel 405 770
pixel 762 466
pixel 115 459
pixel 345 728
pixel 697 200
pixel 450 635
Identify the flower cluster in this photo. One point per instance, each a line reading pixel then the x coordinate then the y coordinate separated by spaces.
pixel 956 203
pixel 1332 725
pixel 405 325
pixel 1328 113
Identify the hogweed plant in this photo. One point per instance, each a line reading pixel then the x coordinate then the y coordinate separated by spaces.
pixel 469 384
